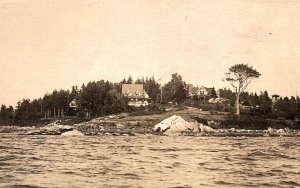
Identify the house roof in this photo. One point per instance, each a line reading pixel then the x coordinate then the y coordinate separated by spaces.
pixel 134 90
pixel 208 89
pixel 73 103
pixel 193 89
pixel 246 103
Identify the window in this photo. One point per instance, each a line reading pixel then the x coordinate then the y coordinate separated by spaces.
pixel 137 93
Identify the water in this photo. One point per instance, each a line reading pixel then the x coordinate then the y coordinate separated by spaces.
pixel 148 161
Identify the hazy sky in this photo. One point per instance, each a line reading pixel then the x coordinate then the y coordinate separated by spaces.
pixel 48 44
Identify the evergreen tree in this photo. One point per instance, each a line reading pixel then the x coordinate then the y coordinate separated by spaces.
pixel 129 80
pixel 265 102
pixel 3 113
pixel 213 93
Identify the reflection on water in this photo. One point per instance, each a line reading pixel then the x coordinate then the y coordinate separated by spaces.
pixel 148 161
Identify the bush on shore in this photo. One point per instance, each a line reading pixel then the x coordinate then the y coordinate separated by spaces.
pixel 257 123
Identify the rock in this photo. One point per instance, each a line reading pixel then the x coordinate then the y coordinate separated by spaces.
pixel 213 123
pixel 120 125
pixel 72 133
pixel 96 120
pixel 176 125
pixel 206 129
pixel 112 116
pixel 280 131
pixel 51 129
pixel 57 122
pixel 270 130
pixel 116 134
pixel 80 124
pixel 287 130
pixel 56 129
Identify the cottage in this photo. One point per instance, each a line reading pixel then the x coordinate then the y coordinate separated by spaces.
pixel 135 94
pixel 246 106
pixel 73 107
pixel 202 93
pixel 275 98
pixel 73 104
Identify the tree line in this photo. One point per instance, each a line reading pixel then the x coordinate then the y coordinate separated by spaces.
pixel 98 98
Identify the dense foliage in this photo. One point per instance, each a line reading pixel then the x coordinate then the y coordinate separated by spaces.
pixel 174 91
pixel 98 98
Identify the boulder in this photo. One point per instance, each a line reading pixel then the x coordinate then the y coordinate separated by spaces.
pixel 176 125
pixel 280 131
pixel 51 129
pixel 57 128
pixel 72 133
pixel 206 129
pixel 270 130
pixel 120 126
pixel 213 123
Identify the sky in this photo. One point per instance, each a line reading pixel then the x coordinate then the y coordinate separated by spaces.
pixel 54 44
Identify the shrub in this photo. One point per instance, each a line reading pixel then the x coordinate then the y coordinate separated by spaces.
pixel 245 122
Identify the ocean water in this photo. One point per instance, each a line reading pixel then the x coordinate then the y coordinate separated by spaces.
pixel 148 161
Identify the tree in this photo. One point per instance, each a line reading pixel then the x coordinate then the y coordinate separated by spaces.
pixel 227 94
pixel 213 93
pixel 174 90
pixel 239 77
pixel 129 80
pixel 265 102
pixel 152 88
pixel 255 99
pixel 3 115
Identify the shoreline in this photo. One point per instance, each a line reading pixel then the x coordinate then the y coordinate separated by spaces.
pixel 125 124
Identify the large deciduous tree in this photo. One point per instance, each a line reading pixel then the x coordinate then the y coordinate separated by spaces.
pixel 174 90
pixel 240 76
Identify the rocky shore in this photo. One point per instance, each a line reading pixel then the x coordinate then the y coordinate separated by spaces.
pixel 174 123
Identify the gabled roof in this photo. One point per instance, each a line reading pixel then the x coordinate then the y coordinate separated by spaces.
pixel 73 103
pixel 193 90
pixel 208 89
pixel 246 103
pixel 134 90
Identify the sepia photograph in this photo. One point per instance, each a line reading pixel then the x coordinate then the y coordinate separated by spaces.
pixel 149 93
